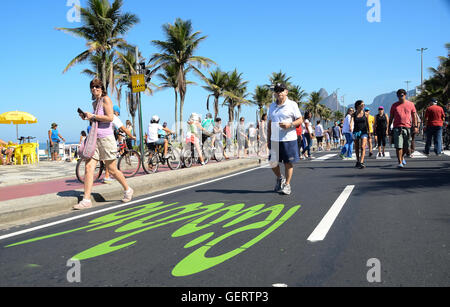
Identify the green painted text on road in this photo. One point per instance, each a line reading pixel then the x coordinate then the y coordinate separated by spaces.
pixel 197 218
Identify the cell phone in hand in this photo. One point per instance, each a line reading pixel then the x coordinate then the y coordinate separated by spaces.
pixel 82 113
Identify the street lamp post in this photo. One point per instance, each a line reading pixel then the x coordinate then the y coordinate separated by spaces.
pixel 407 86
pixel 421 50
pixel 337 99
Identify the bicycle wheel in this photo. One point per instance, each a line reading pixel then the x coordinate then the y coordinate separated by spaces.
pixel 186 157
pixel 218 151
pixel 129 163
pixel 174 160
pixel 80 170
pixel 151 163
pixel 207 151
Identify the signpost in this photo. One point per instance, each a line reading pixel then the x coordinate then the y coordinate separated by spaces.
pixel 138 83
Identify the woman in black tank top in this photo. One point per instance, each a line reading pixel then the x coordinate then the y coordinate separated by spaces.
pixel 381 130
pixel 360 133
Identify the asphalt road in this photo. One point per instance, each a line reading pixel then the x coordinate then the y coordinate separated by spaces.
pixel 237 232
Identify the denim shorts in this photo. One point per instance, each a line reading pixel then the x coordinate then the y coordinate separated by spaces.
pixel 360 135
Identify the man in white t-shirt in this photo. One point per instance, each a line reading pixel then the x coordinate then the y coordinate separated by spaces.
pixel 153 135
pixel 284 116
pixel 319 136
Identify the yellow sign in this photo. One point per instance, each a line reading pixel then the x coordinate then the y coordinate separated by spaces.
pixel 138 83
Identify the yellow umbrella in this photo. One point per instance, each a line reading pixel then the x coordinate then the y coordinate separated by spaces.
pixel 17 118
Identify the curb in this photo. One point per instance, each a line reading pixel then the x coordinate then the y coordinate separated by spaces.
pixel 21 211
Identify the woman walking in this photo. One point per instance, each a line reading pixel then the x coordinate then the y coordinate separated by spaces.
pixel 382 130
pixel 106 147
pixel 347 130
pixel 307 135
pixel 360 133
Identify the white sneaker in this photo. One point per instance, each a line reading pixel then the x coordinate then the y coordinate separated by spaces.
pixel 107 180
pixel 128 195
pixel 84 204
pixel 286 189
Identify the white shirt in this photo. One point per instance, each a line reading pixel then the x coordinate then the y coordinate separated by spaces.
pixel 346 127
pixel 117 123
pixel 319 130
pixel 152 132
pixel 304 127
pixel 288 112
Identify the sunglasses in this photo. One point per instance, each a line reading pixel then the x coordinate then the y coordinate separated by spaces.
pixel 96 87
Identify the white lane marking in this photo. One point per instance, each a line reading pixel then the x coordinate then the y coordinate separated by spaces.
pixel 418 155
pixel 14 234
pixel 387 156
pixel 446 152
pixel 326 157
pixel 324 226
pixel 279 285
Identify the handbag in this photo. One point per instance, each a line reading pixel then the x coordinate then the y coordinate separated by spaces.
pixel 88 147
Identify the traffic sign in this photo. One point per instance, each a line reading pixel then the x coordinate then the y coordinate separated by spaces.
pixel 138 83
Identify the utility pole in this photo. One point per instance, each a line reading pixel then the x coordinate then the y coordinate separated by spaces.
pixel 407 86
pixel 421 50
pixel 343 102
pixel 138 98
pixel 337 99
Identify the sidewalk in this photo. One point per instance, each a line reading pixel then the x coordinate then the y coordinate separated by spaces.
pixel 31 193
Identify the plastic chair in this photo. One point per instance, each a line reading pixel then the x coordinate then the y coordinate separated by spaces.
pixel 27 151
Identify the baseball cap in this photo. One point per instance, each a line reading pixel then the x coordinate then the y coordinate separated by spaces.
pixel 433 100
pixel 279 87
pixel 366 109
pixel 116 109
pixel 380 108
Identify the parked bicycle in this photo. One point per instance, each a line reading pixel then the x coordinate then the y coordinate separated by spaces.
pixel 191 156
pixel 129 163
pixel 155 157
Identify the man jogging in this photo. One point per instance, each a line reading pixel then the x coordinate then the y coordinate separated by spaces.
pixel 403 116
pixel 284 117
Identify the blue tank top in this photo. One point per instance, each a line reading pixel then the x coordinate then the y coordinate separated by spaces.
pixel 55 137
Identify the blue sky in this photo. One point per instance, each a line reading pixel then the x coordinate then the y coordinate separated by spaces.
pixel 320 44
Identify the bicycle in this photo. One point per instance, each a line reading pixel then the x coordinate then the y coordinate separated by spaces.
pixel 214 152
pixel 155 156
pixel 190 155
pixel 129 163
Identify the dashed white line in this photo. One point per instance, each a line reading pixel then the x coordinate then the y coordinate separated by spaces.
pixel 324 226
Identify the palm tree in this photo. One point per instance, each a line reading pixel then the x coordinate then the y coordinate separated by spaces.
pixel 261 98
pixel 103 28
pixel 279 77
pixel 438 86
pixel 178 49
pixel 216 86
pixel 337 116
pixel 297 94
pixel 235 93
pixel 170 80
pixel 314 105
pixel 326 114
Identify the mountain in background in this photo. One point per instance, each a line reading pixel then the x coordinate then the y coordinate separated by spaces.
pixel 385 100
pixel 330 101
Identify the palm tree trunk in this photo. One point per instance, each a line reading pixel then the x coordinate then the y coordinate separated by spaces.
pixel 216 106
pixel 176 111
